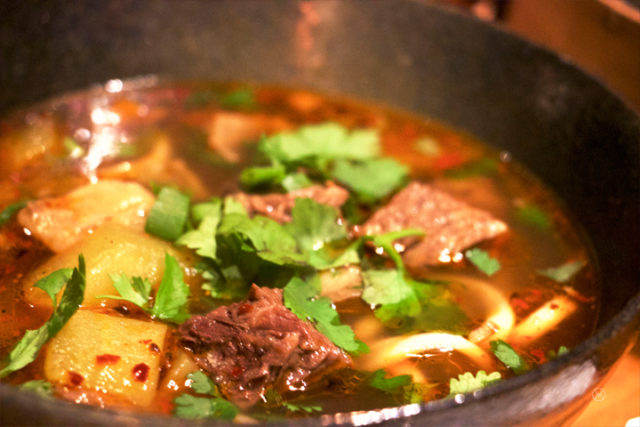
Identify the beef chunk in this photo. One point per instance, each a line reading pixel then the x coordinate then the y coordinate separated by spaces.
pixel 254 344
pixel 449 225
pixel 278 206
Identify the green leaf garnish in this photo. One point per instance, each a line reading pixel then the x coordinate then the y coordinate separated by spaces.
pixel 531 214
pixel 483 261
pixel 171 300
pixel 40 387
pixel 467 382
pixel 202 384
pixel 192 407
pixel 9 211
pixel 240 99
pixel 168 215
pixel 301 298
pixel 507 355
pixel 390 385
pixel 393 295
pixel 371 180
pixel 203 238
pixel 564 272
pixel 27 349
pixel 314 225
pixel 292 407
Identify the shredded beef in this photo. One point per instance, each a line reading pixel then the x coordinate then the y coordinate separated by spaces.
pixel 278 206
pixel 252 345
pixel 449 224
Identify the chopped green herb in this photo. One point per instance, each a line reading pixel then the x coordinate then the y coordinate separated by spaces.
pixel 467 382
pixel 263 176
pixel 314 225
pixel 295 181
pixel 27 349
pixel 507 355
pixel 302 408
pixel 553 354
pixel 40 387
pixel 531 214
pixel 390 385
pixel 202 384
pixel 171 300
pixel 302 299
pixel 240 99
pixel 415 393
pixel 564 272
pixel 391 293
pixel 371 180
pixel 168 215
pixel 203 239
pixel 192 407
pixel 173 294
pixel 483 261
pixel 8 212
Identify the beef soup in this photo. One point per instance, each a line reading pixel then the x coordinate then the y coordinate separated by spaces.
pixel 255 253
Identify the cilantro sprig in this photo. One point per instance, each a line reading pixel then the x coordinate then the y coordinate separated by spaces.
pixel 302 299
pixel 213 406
pixel 467 382
pixel 171 299
pixel 507 355
pixel 327 151
pixel 74 283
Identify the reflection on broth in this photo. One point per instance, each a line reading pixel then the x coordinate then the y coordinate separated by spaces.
pixel 254 253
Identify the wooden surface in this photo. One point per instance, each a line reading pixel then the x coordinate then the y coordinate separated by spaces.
pixel 618 400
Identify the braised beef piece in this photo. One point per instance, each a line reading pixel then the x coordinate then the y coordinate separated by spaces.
pixel 278 206
pixel 449 225
pixel 252 345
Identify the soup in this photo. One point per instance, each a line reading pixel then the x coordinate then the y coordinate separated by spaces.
pixel 259 253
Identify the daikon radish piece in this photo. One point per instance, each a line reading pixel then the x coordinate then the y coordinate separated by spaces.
pixel 389 351
pixel 542 320
pixel 108 354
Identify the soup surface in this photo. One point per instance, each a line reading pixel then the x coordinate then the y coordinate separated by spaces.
pixel 255 253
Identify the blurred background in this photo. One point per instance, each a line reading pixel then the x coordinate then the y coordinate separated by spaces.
pixel 601 36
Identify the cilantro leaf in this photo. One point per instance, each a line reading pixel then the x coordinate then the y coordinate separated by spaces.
pixel 507 355
pixel 168 215
pixel 239 99
pixel 171 299
pixel 564 272
pixel 8 212
pixel 192 407
pixel 321 143
pixel 483 261
pixel 561 350
pixel 531 214
pixel 313 225
pixel 259 176
pixel 295 181
pixel 136 291
pixel 390 385
pixel 27 349
pixel 392 293
pixel 301 298
pixel 202 384
pixel 292 407
pixel 203 239
pixel 54 282
pixel 173 294
pixel 467 382
pixel 41 387
pixel 371 180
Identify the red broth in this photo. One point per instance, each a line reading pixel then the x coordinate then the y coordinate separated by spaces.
pixel 198 137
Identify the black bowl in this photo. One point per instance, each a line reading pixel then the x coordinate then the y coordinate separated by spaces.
pixel 573 133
